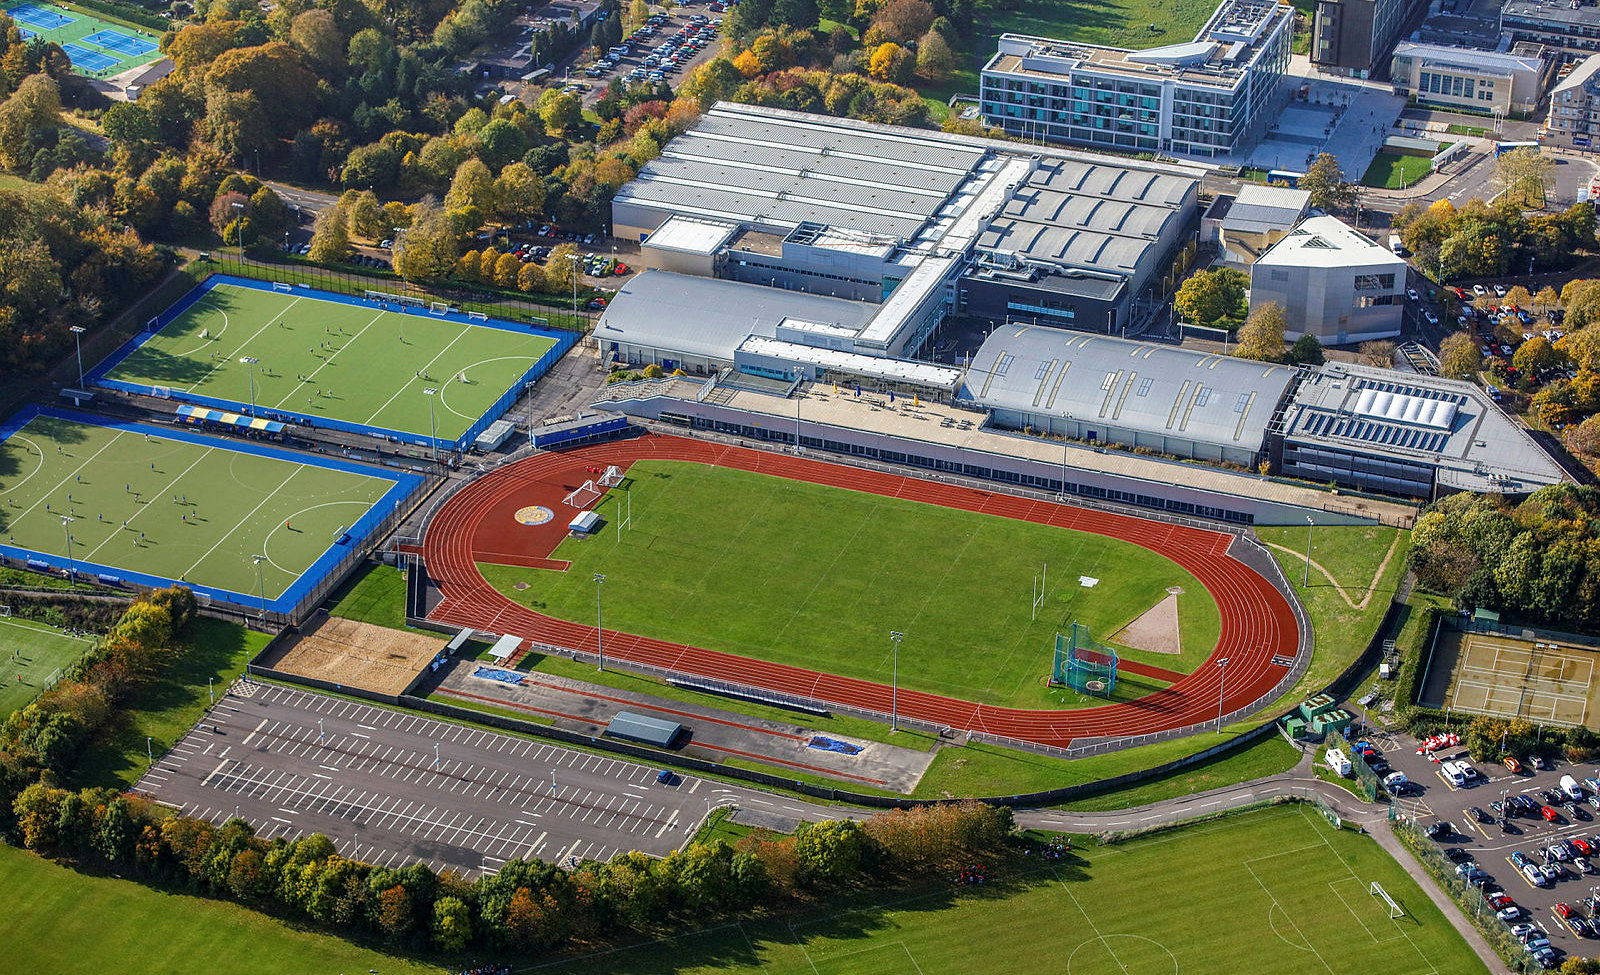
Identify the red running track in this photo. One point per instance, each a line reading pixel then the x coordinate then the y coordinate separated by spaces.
pixel 1258 624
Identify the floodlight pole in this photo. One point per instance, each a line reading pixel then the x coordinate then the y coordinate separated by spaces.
pixel 894 682
pixel 574 269
pixel 77 331
pixel 149 753
pixel 433 433
pixel 799 376
pixel 599 621
pixel 250 362
pixel 1305 582
pixel 66 529
pixel 240 208
pixel 261 583
pixel 1222 682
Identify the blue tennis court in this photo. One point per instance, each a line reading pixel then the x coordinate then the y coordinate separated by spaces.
pixel 36 16
pixel 26 33
pixel 88 60
pixel 119 42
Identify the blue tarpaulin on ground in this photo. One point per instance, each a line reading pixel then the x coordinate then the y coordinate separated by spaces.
pixel 495 673
pixel 833 745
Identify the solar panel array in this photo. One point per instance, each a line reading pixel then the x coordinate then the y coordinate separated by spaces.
pixel 1374 432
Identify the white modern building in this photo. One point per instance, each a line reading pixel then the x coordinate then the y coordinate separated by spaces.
pixel 1212 96
pixel 1481 81
pixel 1333 282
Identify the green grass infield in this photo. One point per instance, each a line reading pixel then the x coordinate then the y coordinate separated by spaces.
pixel 818 576
pixel 333 359
pixel 32 656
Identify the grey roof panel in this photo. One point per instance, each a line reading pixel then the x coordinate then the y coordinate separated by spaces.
pixel 1193 395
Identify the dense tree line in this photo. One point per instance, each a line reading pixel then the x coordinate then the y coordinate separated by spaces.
pixel 528 905
pixel 1481 239
pixel 1539 559
pixel 47 736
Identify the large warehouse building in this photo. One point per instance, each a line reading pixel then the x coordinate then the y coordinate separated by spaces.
pixel 917 225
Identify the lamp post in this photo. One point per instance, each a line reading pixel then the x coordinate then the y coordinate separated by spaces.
pixel 250 362
pixel 149 752
pixel 400 264
pixel 240 230
pixel 1222 681
pixel 261 583
pixel 433 435
pixel 77 331
pixel 799 376
pixel 895 636
pixel 574 259
pixel 1305 582
pixel 66 529
pixel 599 620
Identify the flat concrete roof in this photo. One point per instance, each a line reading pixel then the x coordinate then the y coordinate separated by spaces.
pixel 925 374
pixel 691 235
pixel 1328 242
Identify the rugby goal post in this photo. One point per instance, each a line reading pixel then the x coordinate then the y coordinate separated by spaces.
pixel 583 497
pixel 1377 890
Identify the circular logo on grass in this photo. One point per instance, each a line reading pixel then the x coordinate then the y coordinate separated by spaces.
pixel 534 515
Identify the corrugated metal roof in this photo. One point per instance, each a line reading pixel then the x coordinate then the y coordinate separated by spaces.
pixel 1134 385
pixel 639 727
pixel 692 315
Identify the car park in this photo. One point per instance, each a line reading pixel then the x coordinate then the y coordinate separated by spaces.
pixel 1510 913
pixel 1550 815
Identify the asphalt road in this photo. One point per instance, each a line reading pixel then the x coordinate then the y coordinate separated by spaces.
pixel 391 787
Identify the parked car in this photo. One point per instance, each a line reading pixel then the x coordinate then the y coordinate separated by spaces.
pixel 1550 815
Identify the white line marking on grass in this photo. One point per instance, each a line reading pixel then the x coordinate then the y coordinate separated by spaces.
pixel 444 386
pixel 205 342
pixel 41 628
pixel 325 362
pixel 159 494
pixel 78 470
pixel 407 384
pixel 275 526
pixel 235 353
pixel 12 490
pixel 246 518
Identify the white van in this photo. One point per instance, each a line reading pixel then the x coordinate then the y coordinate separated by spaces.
pixel 1570 786
pixel 1453 774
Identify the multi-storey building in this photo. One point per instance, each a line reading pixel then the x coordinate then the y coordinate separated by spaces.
pixel 1212 96
pixel 1481 81
pixel 1354 37
pixel 1574 117
pixel 1564 24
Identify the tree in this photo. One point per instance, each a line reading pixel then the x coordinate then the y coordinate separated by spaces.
pixel 1520 297
pixel 500 142
pixel 1307 351
pixel 904 20
pixel 1536 355
pixel 371 166
pixel 330 241
pixel 1261 335
pixel 1458 356
pixel 1584 438
pixel 393 915
pixel 561 270
pixel 316 35
pixel 1524 174
pixel 1378 353
pixel 518 192
pixel 1546 299
pixel 472 186
pixel 890 62
pixel 560 111
pixel 505 271
pixel 32 109
pixel 803 14
pixel 831 852
pixel 1211 295
pixel 366 216
pixel 935 61
pixel 427 251
pixel 1326 183
pixel 452 924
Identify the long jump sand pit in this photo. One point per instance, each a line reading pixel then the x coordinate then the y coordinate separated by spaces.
pixel 1511 678
pixel 343 651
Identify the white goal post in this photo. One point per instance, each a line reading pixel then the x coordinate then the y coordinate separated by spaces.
pixel 5 611
pixel 583 497
pixel 478 316
pixel 438 308
pixel 1394 909
pixel 282 287
pixel 612 477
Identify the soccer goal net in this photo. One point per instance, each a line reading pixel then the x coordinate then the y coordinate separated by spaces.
pixel 612 477
pixel 1394 909
pixel 583 497
pixel 282 287
pixel 438 307
pixel 478 316
pixel 5 611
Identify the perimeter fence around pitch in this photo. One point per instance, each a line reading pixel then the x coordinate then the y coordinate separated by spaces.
pixel 413 305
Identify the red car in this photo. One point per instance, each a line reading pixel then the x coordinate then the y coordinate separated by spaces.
pixel 1564 911
pixel 1584 846
pixel 1550 815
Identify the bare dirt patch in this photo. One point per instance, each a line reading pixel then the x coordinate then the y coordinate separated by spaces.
pixel 1155 630
pixel 354 654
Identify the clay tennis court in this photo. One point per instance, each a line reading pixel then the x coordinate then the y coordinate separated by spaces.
pixel 1259 633
pixel 374 658
pixel 1509 678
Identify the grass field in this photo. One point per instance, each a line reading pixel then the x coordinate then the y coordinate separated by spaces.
pixel 1265 892
pixel 1394 171
pixel 33 652
pixel 334 359
pixel 97 48
pixel 1122 23
pixel 374 594
pixel 817 577
pixel 178 509
pixel 61 921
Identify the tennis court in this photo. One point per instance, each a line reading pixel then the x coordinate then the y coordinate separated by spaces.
pixel 151 505
pixel 415 374
pixel 97 48
pixel 1509 678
